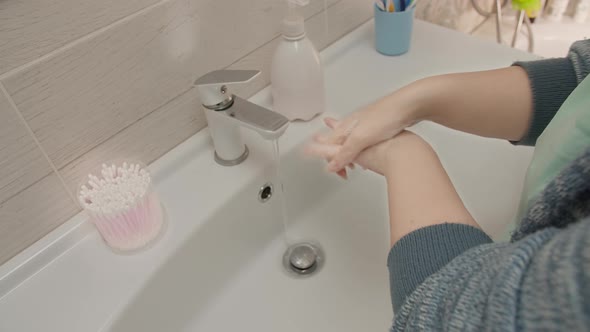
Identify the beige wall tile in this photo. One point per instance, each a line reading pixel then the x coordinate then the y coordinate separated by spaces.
pixel 21 161
pixel 78 99
pixel 146 140
pixel 32 28
pixel 33 213
pixel 81 97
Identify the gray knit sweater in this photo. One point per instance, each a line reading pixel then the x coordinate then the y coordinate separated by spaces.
pixel 452 277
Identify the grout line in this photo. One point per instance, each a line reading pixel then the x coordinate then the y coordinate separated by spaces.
pixel 34 137
pixel 125 128
pixel 81 39
pixel 25 188
pixel 346 32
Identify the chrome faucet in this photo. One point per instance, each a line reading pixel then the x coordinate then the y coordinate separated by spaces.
pixel 226 113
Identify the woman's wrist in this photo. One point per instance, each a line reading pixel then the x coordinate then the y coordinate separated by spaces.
pixel 405 148
pixel 409 103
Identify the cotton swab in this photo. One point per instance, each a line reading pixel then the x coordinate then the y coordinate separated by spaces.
pixel 122 205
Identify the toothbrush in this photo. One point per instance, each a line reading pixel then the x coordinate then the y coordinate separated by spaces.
pixel 412 5
pixel 390 6
pixel 380 5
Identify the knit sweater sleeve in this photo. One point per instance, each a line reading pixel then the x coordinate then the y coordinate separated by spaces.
pixel 552 81
pixel 537 283
pixel 423 252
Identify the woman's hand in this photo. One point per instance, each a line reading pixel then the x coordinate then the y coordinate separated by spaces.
pixel 377 158
pixel 372 125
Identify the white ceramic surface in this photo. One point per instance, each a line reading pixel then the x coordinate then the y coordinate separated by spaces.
pixel 218 266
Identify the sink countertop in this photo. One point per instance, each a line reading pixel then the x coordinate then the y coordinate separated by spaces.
pixel 71 281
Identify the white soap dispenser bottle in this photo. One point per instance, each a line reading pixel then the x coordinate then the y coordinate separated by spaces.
pixel 297 76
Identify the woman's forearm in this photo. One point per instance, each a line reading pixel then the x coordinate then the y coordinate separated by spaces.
pixel 495 103
pixel 420 191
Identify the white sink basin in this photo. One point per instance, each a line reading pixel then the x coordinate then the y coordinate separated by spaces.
pixel 218 267
pixel 228 275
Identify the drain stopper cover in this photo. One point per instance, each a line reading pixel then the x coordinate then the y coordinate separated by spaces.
pixel 303 257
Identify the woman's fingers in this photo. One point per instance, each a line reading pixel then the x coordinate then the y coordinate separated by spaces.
pixel 331 123
pixel 339 132
pixel 343 174
pixel 329 146
pixel 321 138
pixel 346 155
pixel 333 137
pixel 325 151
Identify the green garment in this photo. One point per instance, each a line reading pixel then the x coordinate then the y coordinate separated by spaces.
pixel 564 139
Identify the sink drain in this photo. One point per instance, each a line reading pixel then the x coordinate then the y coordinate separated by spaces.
pixel 303 259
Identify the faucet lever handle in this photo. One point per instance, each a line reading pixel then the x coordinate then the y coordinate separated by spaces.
pixel 214 94
pixel 226 76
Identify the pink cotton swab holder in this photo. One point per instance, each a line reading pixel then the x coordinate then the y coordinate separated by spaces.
pixel 122 204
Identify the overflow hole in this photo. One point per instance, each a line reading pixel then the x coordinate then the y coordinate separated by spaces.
pixel 265 193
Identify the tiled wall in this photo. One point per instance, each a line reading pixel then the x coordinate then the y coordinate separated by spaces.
pixel 82 81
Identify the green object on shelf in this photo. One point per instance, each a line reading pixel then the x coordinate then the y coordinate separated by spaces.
pixel 526 5
pixel 531 7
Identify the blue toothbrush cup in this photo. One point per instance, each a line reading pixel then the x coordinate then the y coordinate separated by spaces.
pixel 393 31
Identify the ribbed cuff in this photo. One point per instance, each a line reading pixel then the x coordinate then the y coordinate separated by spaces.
pixel 552 81
pixel 423 252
